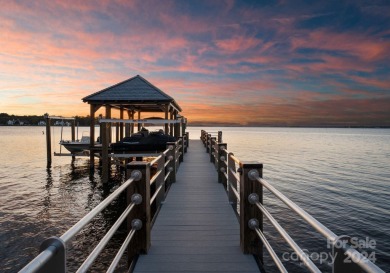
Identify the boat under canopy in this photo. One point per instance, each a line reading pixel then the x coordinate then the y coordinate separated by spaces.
pixel 143 141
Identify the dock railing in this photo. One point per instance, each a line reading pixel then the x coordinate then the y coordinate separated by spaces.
pixel 244 184
pixel 146 187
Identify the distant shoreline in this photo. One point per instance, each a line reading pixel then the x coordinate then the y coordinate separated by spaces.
pixel 238 126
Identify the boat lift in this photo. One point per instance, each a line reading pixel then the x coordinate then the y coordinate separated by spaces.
pixel 48 120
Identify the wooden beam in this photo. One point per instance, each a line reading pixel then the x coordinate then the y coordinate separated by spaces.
pixel 48 140
pixel 171 125
pixel 139 124
pixel 93 109
pixel 166 117
pixel 121 124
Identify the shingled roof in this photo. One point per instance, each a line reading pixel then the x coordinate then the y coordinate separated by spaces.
pixel 134 93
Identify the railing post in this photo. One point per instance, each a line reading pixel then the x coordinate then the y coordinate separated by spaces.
pixel 160 180
pixel 231 181
pixel 208 136
pixel 219 136
pixel 249 241
pixel 141 185
pixel 212 149
pixel 172 164
pixel 58 262
pixel 188 141
pixel 221 167
pixel 181 157
pixel 341 262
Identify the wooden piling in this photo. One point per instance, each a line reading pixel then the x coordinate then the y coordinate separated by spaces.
pixel 48 140
pixel 105 159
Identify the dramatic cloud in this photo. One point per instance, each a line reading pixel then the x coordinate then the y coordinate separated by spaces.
pixel 232 62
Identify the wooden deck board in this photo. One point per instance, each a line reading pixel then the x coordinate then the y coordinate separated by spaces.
pixel 196 229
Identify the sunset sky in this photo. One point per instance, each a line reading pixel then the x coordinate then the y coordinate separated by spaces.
pixel 225 62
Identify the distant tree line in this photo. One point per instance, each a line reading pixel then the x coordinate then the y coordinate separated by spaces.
pixel 35 120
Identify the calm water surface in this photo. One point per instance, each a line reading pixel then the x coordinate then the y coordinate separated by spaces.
pixel 340 176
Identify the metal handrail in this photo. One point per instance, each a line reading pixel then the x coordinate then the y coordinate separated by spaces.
pixel 167 163
pixel 301 254
pixel 103 242
pixel 235 159
pixel 156 194
pixel 121 251
pixel 234 174
pixel 154 178
pixel 49 252
pixel 305 216
pixel 361 260
pixel 235 192
pixel 70 233
pixel 271 251
pixel 167 176
pixel 154 161
pixel 38 261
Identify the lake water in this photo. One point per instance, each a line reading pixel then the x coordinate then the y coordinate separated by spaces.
pixel 340 176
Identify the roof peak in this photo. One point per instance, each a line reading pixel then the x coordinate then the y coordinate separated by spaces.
pixel 134 89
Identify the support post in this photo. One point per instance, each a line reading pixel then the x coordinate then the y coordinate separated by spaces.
pixel 249 241
pixel 139 124
pixel 181 157
pixel 105 159
pixel 166 129
pixel 160 182
pixel 58 262
pixel 171 155
pixel 48 140
pixel 117 132
pixel 187 141
pixel 127 129
pixel 219 136
pixel 73 134
pixel 121 124
pixel 92 136
pixel 212 149
pixel 132 125
pixel 341 262
pixel 231 181
pixel 206 144
pixel 221 166
pixel 183 125
pixel 171 125
pixel 73 130
pixel 141 241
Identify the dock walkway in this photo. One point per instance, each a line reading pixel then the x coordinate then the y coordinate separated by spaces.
pixel 196 229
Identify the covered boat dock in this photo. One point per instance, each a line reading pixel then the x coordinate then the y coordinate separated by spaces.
pixel 133 98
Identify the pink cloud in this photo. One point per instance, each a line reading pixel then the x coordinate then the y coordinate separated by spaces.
pixel 237 43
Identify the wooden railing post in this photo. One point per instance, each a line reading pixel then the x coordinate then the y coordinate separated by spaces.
pixel 342 263
pixel 172 164
pixel 157 169
pixel 221 167
pixel 249 241
pixel 141 172
pixel 219 136
pixel 181 157
pixel 231 181
pixel 212 149
pixel 188 141
pixel 207 145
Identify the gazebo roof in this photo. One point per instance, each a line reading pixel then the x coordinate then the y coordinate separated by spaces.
pixel 135 93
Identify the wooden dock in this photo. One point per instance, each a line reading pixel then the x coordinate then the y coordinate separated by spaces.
pixel 196 229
